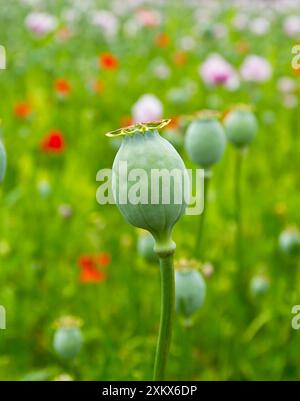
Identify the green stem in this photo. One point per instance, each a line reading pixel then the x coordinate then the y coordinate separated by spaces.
pixel 202 216
pixel 186 354
pixel 238 209
pixel 166 318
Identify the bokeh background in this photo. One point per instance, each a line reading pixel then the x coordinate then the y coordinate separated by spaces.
pixel 77 69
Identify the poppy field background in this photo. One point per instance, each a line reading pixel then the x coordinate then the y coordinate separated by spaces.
pixel 78 69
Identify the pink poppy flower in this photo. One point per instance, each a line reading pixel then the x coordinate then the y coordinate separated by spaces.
pixel 147 108
pixel 291 25
pixel 217 71
pixel 256 69
pixel 40 23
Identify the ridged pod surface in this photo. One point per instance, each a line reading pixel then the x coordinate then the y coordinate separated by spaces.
pixel 148 151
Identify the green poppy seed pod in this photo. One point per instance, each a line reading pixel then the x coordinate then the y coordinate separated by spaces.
pixel 289 241
pixel 259 285
pixel 68 340
pixel 145 247
pixel 145 200
pixel 240 126
pixel 2 161
pixel 190 289
pixel 205 139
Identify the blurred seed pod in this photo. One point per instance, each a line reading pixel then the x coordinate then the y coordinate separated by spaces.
pixel 205 139
pixel 68 339
pixel 2 161
pixel 63 377
pixel 240 125
pixel 145 247
pixel 259 285
pixel 289 241
pixel 190 288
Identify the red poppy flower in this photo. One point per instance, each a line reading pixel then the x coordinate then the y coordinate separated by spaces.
pixel 62 87
pixel 126 121
pixel 104 259
pixel 92 275
pixel 108 61
pixel 22 110
pixel 86 261
pixel 53 142
pixel 162 39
